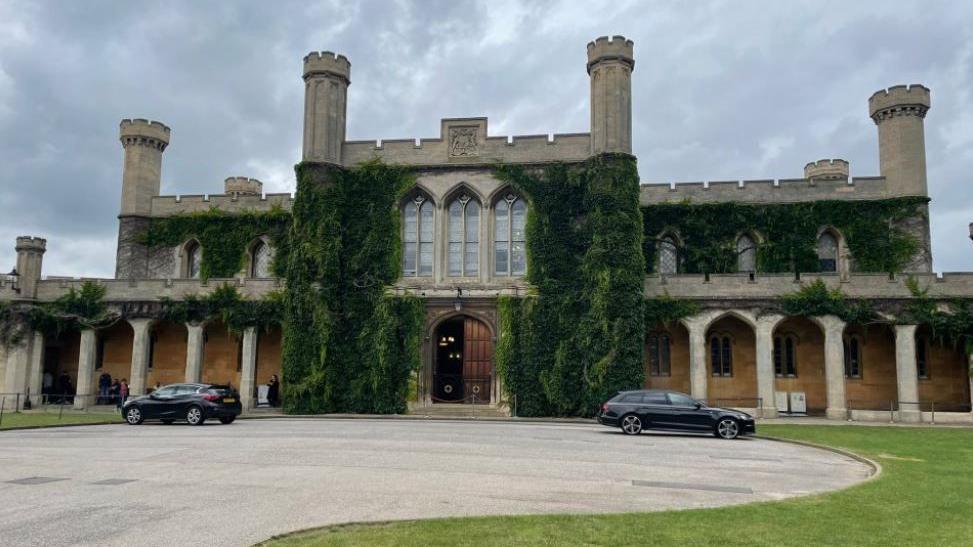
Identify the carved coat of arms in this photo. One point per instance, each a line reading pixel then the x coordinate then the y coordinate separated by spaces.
pixel 462 141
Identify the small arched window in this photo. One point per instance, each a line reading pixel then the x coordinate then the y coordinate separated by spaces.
pixel 827 252
pixel 509 239
pixel 721 355
pixel 746 254
pixel 417 237
pixel 785 356
pixel 853 357
pixel 463 254
pixel 194 260
pixel 668 256
pixel 660 362
pixel 262 260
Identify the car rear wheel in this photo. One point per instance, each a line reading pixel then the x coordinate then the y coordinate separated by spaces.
pixel 227 419
pixel 133 416
pixel 727 428
pixel 631 424
pixel 195 415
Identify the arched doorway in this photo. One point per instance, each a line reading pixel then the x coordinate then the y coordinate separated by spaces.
pixel 462 361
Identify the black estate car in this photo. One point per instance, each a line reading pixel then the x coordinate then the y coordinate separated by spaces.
pixel 634 411
pixel 194 403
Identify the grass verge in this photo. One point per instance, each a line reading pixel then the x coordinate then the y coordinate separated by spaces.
pixel 17 420
pixel 923 497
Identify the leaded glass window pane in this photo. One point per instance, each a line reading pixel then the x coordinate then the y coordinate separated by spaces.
pixel 518 258
pixel 409 259
pixel 500 255
pixel 727 358
pixel 194 261
pixel 417 237
pixel 263 257
pixel 746 254
pixel 665 366
pixel 463 251
pixel 668 257
pixel 654 355
pixel 827 253
pixel 510 216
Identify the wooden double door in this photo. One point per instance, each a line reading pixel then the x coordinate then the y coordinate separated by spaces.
pixel 464 361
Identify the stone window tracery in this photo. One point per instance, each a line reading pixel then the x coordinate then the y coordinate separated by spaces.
pixel 721 355
pixel 194 260
pixel 660 361
pixel 509 239
pixel 785 356
pixel 853 357
pixel 463 253
pixel 417 237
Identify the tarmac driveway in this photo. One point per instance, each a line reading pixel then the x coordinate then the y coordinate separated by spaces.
pixel 242 483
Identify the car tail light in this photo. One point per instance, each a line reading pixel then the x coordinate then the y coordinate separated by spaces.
pixel 604 408
pixel 211 397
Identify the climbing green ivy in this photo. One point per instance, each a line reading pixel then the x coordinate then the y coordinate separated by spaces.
pixel 348 346
pixel 816 299
pixel 787 233
pixel 223 237
pixel 667 310
pixel 580 338
pixel 227 304
pixel 951 323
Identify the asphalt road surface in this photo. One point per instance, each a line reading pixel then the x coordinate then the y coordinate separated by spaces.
pixel 242 483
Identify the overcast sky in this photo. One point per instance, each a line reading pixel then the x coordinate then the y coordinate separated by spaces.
pixel 721 90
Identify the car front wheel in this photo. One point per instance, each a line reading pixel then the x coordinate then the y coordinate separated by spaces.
pixel 133 416
pixel 631 424
pixel 727 428
pixel 195 415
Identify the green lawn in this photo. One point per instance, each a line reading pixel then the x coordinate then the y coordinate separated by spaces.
pixel 923 497
pixel 37 419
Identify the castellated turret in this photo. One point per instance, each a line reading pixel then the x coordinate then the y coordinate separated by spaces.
pixel 899 112
pixel 144 142
pixel 326 80
pixel 244 186
pixel 826 170
pixel 30 256
pixel 610 66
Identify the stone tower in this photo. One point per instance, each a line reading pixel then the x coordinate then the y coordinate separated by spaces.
pixel 144 142
pixel 610 66
pixel 30 256
pixel 899 112
pixel 326 80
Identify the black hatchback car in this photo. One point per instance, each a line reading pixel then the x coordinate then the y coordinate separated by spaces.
pixel 194 403
pixel 634 411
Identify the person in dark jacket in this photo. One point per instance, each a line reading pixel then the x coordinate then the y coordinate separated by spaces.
pixel 273 391
pixel 104 383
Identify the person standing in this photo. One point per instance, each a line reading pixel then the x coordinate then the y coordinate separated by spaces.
pixel 104 383
pixel 273 391
pixel 122 392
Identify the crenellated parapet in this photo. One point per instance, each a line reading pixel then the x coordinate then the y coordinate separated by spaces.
pixel 464 141
pixel 327 63
pixel 833 169
pixel 899 100
pixel 142 290
pixel 765 191
pixel 164 206
pixel 142 132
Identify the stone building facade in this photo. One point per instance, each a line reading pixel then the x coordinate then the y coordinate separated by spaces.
pixel 464 246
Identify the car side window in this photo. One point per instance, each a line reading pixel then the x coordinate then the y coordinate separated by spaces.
pixel 185 390
pixel 632 398
pixel 168 391
pixel 678 399
pixel 654 398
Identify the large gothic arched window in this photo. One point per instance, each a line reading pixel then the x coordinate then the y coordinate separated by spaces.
pixel 827 252
pixel 746 254
pixel 261 261
pixel 417 237
pixel 509 240
pixel 463 254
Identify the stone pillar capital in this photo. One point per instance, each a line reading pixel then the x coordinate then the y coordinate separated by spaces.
pixel 830 323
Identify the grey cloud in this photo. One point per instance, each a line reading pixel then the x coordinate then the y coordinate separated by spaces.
pixel 721 91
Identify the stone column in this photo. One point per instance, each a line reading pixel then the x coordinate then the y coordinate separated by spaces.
pixel 906 373
pixel 36 380
pixel 248 373
pixel 194 352
pixel 141 346
pixel 697 357
pixel 834 365
pixel 15 381
pixel 765 364
pixel 86 369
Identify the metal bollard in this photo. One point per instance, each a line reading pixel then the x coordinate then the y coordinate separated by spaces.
pixel 932 417
pixel 891 412
pixel 3 403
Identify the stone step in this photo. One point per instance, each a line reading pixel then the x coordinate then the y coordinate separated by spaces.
pixel 459 411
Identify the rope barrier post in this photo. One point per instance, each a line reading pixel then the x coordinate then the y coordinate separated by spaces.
pixel 17 406
pixel 474 406
pixel 932 418
pixel 60 409
pixel 891 412
pixel 3 403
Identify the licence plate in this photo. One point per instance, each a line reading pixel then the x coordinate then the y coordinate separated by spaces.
pixel 229 400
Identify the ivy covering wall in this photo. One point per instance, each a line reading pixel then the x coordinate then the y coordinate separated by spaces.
pixel 579 339
pixel 348 346
pixel 708 233
pixel 224 237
